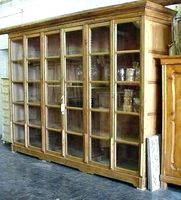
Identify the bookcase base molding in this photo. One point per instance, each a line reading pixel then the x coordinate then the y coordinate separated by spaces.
pixel 84 167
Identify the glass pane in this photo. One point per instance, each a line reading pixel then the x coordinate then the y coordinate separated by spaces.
pixel 17 72
pixel 53 94
pixel 35 137
pixel 33 71
pixel 54 118
pixel 19 133
pixel 34 115
pixel 74 42
pixel 53 70
pixel 100 68
pixel 18 114
pixel 100 122
pixel 100 151
pixel 54 141
pixel 75 120
pixel 18 92
pixel 128 67
pixel 17 49
pixel 34 94
pixel 75 96
pixel 126 40
pixel 127 156
pixel 74 70
pixel 128 127
pixel 100 41
pixel 75 145
pixel 100 96
pixel 34 47
pixel 53 44
pixel 128 99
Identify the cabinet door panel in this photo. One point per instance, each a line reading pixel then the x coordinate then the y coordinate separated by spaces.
pixel 74 93
pixel 173 137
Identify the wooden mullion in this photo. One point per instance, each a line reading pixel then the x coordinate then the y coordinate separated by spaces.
pixel 86 93
pixel 25 63
pixel 63 85
pixel 43 108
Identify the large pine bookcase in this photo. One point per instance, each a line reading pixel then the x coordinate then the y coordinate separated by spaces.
pixel 86 90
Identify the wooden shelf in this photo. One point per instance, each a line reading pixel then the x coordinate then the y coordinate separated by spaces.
pixel 19 61
pixel 53 58
pixel 103 83
pixel 34 103
pixel 33 81
pixel 100 109
pixel 73 55
pixel 18 102
pixel 53 106
pixel 74 108
pixel 21 123
pixel 128 113
pixel 53 129
pixel 100 135
pixel 129 83
pixel 36 59
pixel 129 141
pixel 74 86
pixel 18 82
pixel 99 53
pixel 128 51
pixel 78 133
pixel 75 83
pixel 53 82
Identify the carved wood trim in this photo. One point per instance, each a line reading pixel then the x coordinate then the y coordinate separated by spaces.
pixel 173 122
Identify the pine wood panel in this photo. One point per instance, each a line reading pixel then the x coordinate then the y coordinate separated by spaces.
pixel 171 164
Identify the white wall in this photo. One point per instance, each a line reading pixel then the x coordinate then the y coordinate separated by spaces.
pixel 22 11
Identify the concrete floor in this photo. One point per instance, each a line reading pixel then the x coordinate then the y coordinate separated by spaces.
pixel 26 178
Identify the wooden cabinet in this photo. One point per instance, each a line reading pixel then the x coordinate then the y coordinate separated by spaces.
pixel 171 137
pixel 84 87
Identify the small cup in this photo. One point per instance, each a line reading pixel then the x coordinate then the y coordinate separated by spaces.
pixel 130 74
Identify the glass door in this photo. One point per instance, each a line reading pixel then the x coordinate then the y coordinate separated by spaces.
pixel 53 93
pixel 74 93
pixel 127 84
pixel 33 91
pixel 18 90
pixel 99 92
